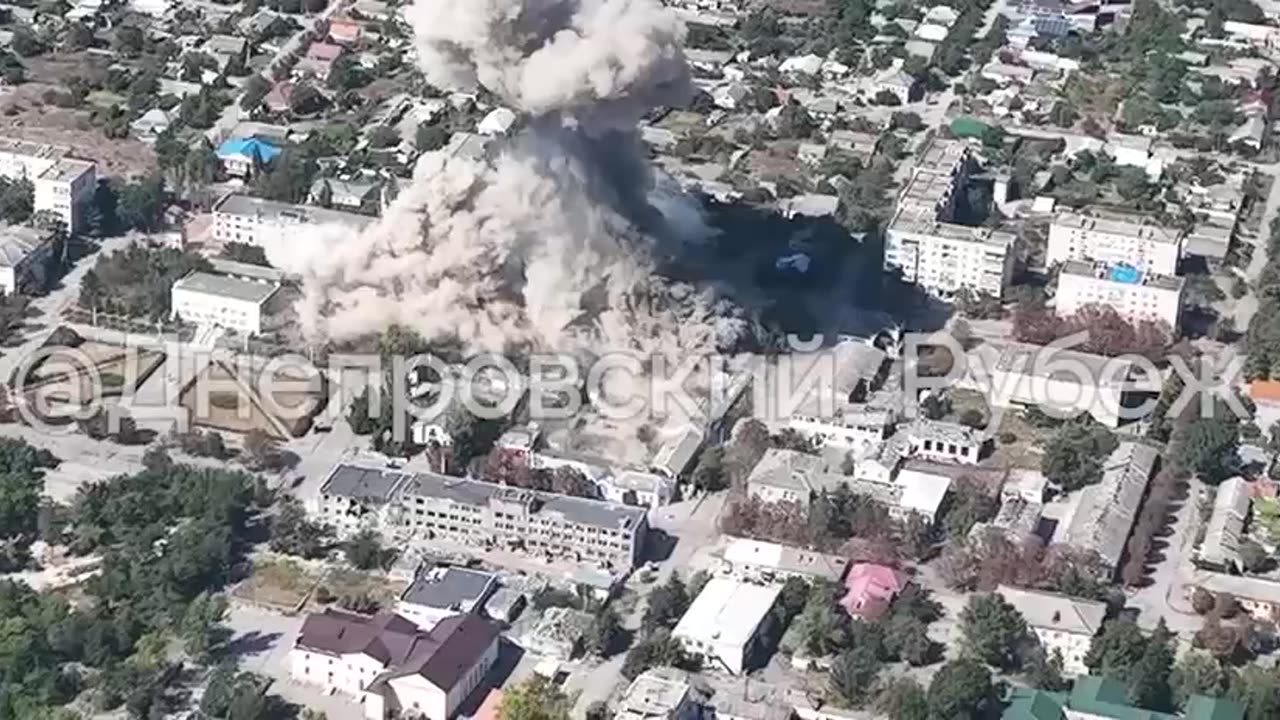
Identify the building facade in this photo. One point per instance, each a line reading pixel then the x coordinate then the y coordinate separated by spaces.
pixel 241 218
pixel 61 184
pixel 724 623
pixel 1137 296
pixel 408 507
pixel 24 257
pixel 441 592
pixel 392 667
pixel 1063 624
pixel 1114 238
pixel 234 303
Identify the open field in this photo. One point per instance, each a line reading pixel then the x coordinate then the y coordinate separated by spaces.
pixel 277 583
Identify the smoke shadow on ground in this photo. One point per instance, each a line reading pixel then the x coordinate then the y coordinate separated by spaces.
pixel 801 275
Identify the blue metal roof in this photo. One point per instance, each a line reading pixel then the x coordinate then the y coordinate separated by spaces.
pixel 249 147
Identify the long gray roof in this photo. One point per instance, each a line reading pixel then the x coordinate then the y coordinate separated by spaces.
pixel 248 206
pixel 449 587
pixel 381 485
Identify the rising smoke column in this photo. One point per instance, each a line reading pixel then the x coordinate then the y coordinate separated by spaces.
pixel 549 241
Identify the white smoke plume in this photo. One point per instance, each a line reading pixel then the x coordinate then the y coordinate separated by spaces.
pixel 550 241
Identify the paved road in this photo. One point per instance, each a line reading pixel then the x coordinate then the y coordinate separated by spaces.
pixel 1247 306
pixel 1163 597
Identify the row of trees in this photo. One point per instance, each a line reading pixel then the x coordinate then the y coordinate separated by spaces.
pixel 992 559
pixel 136 281
pixel 1108 333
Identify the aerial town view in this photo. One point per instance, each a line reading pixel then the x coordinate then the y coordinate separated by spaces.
pixel 640 359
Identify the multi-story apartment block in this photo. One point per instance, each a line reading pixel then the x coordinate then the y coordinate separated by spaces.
pixel 1115 238
pixel 944 257
pixel 234 303
pixel 932 252
pixel 407 507
pixel 1135 295
pixel 62 185
pixel 241 218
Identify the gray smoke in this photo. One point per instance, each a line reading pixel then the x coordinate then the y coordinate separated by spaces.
pixel 552 239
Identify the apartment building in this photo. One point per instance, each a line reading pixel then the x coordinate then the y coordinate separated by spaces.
pixel 62 184
pixel 1061 623
pixel 408 507
pixel 927 248
pixel 1134 294
pixel 943 257
pixel 241 218
pixel 1115 238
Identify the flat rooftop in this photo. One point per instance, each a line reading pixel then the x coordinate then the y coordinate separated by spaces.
pixel 223 286
pixel 449 588
pixel 1114 222
pixel 1033 360
pixel 31 149
pixel 727 612
pixel 248 206
pixel 382 485
pixel 1121 275
pixel 942 155
pixel 1053 611
pixel 67 170
pixel 909 222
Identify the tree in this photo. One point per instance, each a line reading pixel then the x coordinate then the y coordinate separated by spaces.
pixel 992 630
pixel 1074 455
pixel 255 89
pixel 1253 557
pixel 709 474
pixel 365 551
pixel 1201 601
pixel 1209 447
pixel 142 204
pixel 971 504
pixel 1043 670
pixel 261 450
pixel 201 628
pixel 25 42
pixel 667 603
pixel 794 122
pixel 822 626
pixel 1117 649
pixel 17 200
pixel 245 253
pixel 1149 678
pixel 902 698
pixel 606 636
pixel 656 649
pixel 1258 689
pixel 293 534
pixel 534 699
pixel 961 690
pixel 854 674
pixel 430 137
pixel 129 41
pixel 1197 674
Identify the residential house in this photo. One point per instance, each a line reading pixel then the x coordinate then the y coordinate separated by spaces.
pixel 242 158
pixel 870 589
pixel 345 31
pixel 280 98
pixel 1105 512
pixel 1220 549
pixel 319 59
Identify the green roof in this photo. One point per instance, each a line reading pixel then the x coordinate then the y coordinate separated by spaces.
pixel 1108 697
pixel 1028 704
pixel 1200 707
pixel 963 127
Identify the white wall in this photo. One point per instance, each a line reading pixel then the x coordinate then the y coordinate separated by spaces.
pixel 1133 302
pixel 243 316
pixel 1074 243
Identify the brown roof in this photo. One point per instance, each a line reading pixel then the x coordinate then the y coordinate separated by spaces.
pixel 442 655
